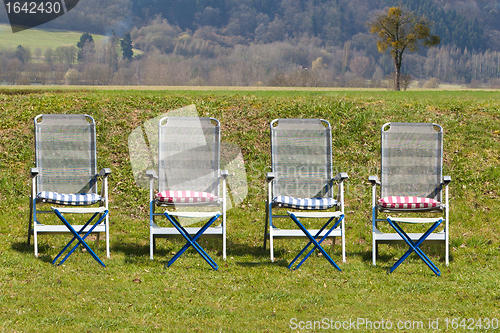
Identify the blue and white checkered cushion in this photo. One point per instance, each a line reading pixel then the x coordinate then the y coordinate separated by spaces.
pixel 305 203
pixel 78 199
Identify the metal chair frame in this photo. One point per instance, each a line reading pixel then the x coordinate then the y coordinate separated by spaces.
pixel 413 240
pixel 35 227
pixel 328 230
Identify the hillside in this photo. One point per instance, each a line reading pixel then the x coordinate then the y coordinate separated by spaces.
pixel 474 24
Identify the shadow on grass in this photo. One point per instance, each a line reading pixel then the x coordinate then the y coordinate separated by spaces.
pixel 280 263
pixel 164 250
pixel 385 260
pixel 396 250
pixel 255 252
pixel 239 249
pixel 21 247
pixel 137 253
pixel 366 256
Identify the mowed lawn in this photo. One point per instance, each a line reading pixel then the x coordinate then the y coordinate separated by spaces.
pixel 249 293
pixel 38 38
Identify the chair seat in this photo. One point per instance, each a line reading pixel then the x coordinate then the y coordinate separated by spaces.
pixel 304 203
pixel 185 197
pixel 408 202
pixel 77 199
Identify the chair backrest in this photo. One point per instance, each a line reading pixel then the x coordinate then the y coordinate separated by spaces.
pixel 189 154
pixel 65 153
pixel 412 160
pixel 301 157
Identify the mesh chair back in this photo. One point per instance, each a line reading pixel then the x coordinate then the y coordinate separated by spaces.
pixel 301 153
pixel 412 160
pixel 189 154
pixel 66 153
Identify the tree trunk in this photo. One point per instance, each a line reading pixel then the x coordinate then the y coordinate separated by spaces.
pixel 397 62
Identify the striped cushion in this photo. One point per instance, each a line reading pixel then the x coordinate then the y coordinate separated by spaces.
pixel 185 197
pixel 305 203
pixel 408 202
pixel 78 199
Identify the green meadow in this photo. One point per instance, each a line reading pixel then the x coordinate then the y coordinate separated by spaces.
pixel 249 293
pixel 37 38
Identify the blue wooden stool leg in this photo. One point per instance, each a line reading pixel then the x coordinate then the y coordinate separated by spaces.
pixel 73 239
pixel 313 241
pixel 192 241
pixel 322 239
pixel 308 244
pixel 81 240
pixel 414 247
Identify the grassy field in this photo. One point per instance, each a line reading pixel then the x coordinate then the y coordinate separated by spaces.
pixel 249 293
pixel 37 38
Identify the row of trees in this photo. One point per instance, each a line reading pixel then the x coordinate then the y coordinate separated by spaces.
pixel 216 62
pixel 301 63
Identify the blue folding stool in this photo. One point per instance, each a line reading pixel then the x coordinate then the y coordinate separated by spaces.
pixel 81 240
pixel 191 241
pixel 414 246
pixel 337 216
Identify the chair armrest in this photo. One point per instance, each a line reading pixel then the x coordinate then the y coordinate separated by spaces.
pixel 446 180
pixel 151 174
pixel 105 172
pixel 374 180
pixel 224 174
pixel 341 176
pixel 34 172
pixel 269 176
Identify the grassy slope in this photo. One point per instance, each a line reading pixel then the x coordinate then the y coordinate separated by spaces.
pixel 249 293
pixel 36 38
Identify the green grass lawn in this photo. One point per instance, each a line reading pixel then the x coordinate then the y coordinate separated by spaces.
pixel 37 38
pixel 249 293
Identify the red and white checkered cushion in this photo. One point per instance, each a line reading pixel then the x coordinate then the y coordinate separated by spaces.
pixel 408 202
pixel 185 197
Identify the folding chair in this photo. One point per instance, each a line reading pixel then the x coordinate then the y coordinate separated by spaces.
pixel 66 177
pixel 411 182
pixel 189 181
pixel 302 179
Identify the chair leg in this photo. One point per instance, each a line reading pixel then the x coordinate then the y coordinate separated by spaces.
pixel 152 245
pixel 30 219
pixel 35 238
pixel 266 223
pixel 374 240
pixel 107 236
pixel 271 244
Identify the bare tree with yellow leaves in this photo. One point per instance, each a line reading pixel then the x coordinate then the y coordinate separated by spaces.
pixel 400 30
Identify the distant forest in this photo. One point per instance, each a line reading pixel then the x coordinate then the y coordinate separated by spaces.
pixel 269 42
